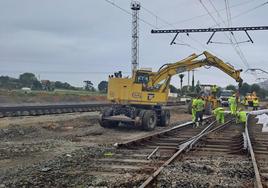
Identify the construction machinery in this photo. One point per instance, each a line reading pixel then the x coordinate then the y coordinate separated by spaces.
pixel 211 100
pixel 141 99
pixel 209 94
pixel 224 96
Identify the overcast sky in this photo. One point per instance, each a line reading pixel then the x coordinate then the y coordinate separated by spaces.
pixel 76 40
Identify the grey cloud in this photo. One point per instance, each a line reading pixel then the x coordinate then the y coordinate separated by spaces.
pixel 93 36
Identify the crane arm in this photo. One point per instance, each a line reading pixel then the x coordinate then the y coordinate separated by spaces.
pixel 191 63
pixel 212 60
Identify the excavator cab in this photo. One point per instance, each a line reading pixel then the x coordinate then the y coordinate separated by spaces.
pixel 142 78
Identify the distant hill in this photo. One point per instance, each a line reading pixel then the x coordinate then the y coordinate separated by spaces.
pixel 264 84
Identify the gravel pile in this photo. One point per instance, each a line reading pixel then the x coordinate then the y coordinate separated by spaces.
pixel 208 172
pixel 10 150
pixel 15 132
pixel 71 170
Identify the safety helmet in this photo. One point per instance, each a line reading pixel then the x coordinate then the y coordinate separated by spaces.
pixel 233 95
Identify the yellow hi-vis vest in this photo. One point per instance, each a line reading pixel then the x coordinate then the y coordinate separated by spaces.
pixel 256 102
pixel 242 116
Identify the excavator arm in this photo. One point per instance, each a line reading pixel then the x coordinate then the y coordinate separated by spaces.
pixel 167 71
pixel 212 60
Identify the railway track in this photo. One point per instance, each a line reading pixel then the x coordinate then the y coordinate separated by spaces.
pixel 258 147
pixel 35 110
pixel 126 165
pixel 147 159
pixel 211 155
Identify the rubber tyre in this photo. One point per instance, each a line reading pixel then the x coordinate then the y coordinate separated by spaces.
pixel 105 123
pixel 164 118
pixel 149 120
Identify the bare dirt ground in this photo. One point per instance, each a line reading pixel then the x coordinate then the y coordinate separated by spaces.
pixel 28 141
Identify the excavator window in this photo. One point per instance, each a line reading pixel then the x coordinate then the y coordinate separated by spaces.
pixel 142 78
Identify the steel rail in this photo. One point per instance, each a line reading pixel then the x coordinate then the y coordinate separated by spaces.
pixel 252 155
pixel 182 148
pixel 175 126
pixel 32 110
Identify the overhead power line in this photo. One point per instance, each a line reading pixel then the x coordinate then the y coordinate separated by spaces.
pixel 203 15
pixel 237 47
pixel 244 12
pixel 158 18
pixel 257 69
pixel 144 21
pixel 172 25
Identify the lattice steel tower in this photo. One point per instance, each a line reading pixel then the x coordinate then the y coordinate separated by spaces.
pixel 135 6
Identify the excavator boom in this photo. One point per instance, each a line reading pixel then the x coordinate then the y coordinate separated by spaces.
pixel 191 63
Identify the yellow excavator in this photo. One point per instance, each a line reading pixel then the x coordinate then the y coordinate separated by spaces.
pixel 141 99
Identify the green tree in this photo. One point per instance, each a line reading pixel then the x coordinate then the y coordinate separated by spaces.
pixel 197 87
pixel 63 85
pixel 59 85
pixel 7 82
pixel 255 87
pixel 103 86
pixel 262 93
pixel 185 90
pixel 4 80
pixel 245 88
pixel 36 85
pixel 173 89
pixel 89 85
pixel 231 87
pixel 27 79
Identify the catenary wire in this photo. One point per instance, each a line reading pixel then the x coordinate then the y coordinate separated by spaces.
pixel 203 15
pixel 193 39
pixel 245 12
pixel 237 49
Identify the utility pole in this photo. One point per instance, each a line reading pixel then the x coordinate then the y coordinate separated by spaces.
pixel 135 7
pixel 188 85
pixel 181 78
pixel 192 80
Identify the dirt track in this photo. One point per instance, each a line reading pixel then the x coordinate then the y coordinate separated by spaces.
pixel 26 141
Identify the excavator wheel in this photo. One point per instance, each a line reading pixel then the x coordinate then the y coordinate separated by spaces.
pixel 149 120
pixel 105 123
pixel 165 118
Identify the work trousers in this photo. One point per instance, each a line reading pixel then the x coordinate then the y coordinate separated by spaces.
pixel 255 107
pixel 233 109
pixel 193 114
pixel 199 116
pixel 220 117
